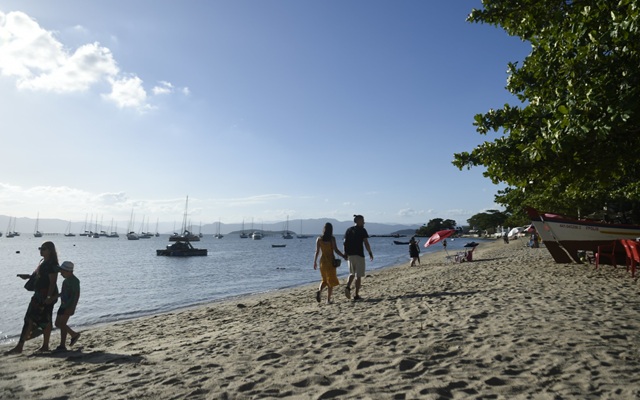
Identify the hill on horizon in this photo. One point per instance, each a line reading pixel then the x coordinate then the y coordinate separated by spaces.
pixel 311 226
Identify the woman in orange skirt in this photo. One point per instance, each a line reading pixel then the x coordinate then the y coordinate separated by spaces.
pixel 327 245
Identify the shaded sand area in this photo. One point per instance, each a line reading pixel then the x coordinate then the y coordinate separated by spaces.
pixel 511 324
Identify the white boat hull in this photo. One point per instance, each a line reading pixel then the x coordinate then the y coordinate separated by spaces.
pixel 571 236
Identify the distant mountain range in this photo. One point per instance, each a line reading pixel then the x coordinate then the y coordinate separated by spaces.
pixel 311 227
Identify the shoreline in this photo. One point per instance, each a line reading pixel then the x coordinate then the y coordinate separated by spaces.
pixel 512 323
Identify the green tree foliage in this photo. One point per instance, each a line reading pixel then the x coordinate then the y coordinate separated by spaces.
pixel 572 143
pixel 436 225
pixel 488 221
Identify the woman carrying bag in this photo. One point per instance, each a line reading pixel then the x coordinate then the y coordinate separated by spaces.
pixel 38 319
pixel 327 244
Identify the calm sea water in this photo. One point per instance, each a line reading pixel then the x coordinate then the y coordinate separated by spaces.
pixel 123 279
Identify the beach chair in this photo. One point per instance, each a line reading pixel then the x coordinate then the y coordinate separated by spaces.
pixel 627 250
pixel 466 255
pixel 606 251
pixel 635 256
pixel 460 256
pixel 470 254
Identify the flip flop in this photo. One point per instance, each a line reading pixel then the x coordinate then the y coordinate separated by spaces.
pixel 74 340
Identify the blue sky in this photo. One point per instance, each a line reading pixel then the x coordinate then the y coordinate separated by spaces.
pixel 255 109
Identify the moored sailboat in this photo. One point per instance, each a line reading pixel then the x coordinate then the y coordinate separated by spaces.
pixel 182 246
pixel 218 235
pixel 302 235
pixel 37 233
pixel 243 234
pixel 286 234
pixel 68 233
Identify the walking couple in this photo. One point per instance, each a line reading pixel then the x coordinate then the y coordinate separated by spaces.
pixel 355 241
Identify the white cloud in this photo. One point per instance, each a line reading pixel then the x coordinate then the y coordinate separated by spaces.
pixel 409 212
pixel 80 29
pixel 39 62
pixel 90 64
pixel 128 92
pixel 163 88
pixel 25 48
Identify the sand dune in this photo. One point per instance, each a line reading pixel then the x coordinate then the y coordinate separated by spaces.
pixel 511 324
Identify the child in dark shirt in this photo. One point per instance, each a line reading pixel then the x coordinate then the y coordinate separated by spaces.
pixel 69 299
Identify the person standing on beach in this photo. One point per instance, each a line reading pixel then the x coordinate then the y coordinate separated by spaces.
pixel 327 244
pixel 45 294
pixel 69 297
pixel 414 251
pixel 355 239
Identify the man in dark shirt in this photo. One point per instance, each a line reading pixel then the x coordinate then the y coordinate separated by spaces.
pixel 355 239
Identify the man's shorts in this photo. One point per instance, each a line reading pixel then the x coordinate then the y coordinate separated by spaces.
pixel 356 266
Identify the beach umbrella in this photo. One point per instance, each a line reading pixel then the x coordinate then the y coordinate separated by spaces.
pixel 438 236
pixel 514 232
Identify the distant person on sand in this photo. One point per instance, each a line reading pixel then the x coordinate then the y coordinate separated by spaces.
pixel 37 320
pixel 354 239
pixel 533 242
pixel 327 244
pixel 68 301
pixel 414 251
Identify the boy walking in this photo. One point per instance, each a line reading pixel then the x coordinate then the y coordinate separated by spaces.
pixel 69 299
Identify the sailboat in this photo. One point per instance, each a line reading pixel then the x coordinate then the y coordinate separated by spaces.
pixel 113 233
pixel 301 235
pixel 286 234
pixel 218 235
pixel 143 234
pixel 256 235
pixel 243 235
pixel 131 235
pixel 85 232
pixel 11 233
pixel 182 246
pixel 68 231
pixel 95 234
pixel 186 235
pixel 37 233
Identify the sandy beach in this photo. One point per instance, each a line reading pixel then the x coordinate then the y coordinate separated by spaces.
pixel 510 324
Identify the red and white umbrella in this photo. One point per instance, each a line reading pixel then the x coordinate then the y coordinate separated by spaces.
pixel 438 236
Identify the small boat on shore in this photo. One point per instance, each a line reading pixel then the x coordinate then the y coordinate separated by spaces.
pixel 278 245
pixel 566 237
